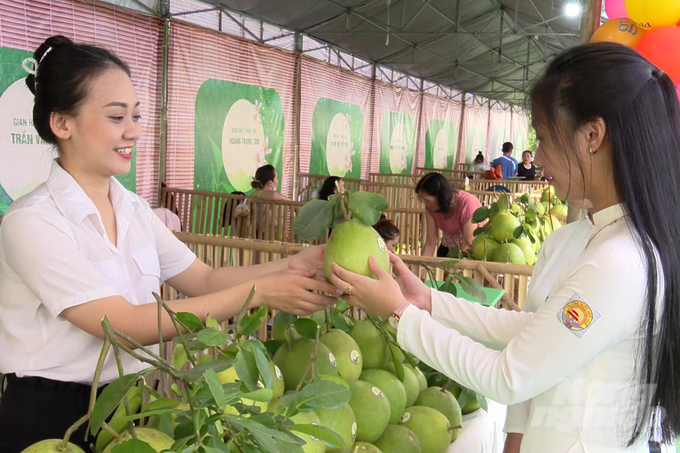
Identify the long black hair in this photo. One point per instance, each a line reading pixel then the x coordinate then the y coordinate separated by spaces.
pixel 61 82
pixel 328 187
pixel 639 106
pixel 436 185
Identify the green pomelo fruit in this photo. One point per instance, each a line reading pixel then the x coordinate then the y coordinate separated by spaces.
pixel 483 247
pixel 398 439
pixel 559 209
pixel 540 208
pixel 372 345
pixel 503 227
pixel 437 379
pixel 410 382
pixel 551 224
pixel 393 389
pixel 341 421
pixel 547 194
pixel 229 375
pixel 346 351
pixel 351 244
pixel 365 447
pixel 159 441
pixel 51 446
pixel 444 402
pixel 524 243
pixel 371 408
pixel 470 406
pixel 422 380
pixel 293 361
pixel 430 426
pixel 509 253
pixel 313 445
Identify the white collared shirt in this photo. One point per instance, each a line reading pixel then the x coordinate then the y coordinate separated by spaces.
pixel 574 358
pixel 55 254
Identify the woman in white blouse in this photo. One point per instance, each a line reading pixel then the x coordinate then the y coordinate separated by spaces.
pixel 80 247
pixel 598 358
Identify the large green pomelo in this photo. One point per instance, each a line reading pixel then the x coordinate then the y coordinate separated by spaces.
pixel 398 439
pixel 346 351
pixel 372 344
pixel 293 361
pixel 444 402
pixel 410 382
pixel 525 244
pixel 341 421
pixel 509 253
pixel 503 226
pixel 351 244
pixel 365 447
pixel 51 446
pixel 393 389
pixel 422 380
pixel 483 247
pixel 371 408
pixel 430 426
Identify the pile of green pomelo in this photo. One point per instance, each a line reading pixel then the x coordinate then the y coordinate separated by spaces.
pixel 323 383
pixel 514 232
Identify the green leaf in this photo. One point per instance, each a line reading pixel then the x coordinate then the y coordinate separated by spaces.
pixel 325 394
pixel 175 389
pixel 342 306
pixel 212 323
pixel 284 318
pixel 449 263
pixel 111 397
pixel 367 207
pixel 315 217
pixel 250 323
pixel 162 403
pixel 449 287
pixel 189 320
pixel 480 215
pixel 133 446
pixel 398 367
pixel 321 433
pixel 339 321
pixel 463 398
pixel 306 328
pixel 195 374
pixel 272 346
pixel 179 356
pixel 215 388
pixel 472 287
pixel 409 359
pixel 482 402
pixel 260 395
pixel 263 367
pixel 478 231
pixel 212 337
pixel 246 369
pixel 517 232
pixel 525 198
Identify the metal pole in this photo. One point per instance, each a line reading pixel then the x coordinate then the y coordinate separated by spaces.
pixel 296 119
pixel 165 56
pixel 418 130
pixel 590 20
pixel 461 124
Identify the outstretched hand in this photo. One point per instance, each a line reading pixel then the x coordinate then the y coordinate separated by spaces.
pixel 310 259
pixel 413 289
pixel 379 296
pixel 296 291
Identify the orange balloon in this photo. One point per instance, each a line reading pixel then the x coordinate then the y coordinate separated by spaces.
pixel 622 31
pixel 660 47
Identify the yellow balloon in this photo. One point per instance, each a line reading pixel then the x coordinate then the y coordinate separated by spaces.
pixel 653 13
pixel 622 31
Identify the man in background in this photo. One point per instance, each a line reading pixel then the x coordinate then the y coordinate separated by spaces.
pixel 507 163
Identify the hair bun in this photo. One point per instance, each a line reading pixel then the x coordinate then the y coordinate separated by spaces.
pixel 53 42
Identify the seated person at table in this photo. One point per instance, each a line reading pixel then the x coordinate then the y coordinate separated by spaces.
pixel 265 183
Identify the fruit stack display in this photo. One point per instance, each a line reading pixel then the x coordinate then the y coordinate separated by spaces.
pixel 514 232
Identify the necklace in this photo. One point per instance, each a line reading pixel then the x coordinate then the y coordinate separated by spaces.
pixel 598 231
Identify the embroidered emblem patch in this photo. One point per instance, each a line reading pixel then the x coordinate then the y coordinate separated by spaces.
pixel 577 316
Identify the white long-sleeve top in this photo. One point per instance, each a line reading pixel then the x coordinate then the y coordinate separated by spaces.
pixel 574 358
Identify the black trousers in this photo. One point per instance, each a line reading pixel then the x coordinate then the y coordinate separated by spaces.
pixel 442 252
pixel 33 409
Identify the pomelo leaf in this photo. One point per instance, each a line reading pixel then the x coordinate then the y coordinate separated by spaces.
pixel 482 402
pixel 215 387
pixel 472 287
pixel 321 433
pixel 284 318
pixel 315 217
pixel 325 394
pixel 480 214
pixel 342 306
pixel 189 320
pixel 179 356
pixel 306 328
pixel 212 337
pixel 133 446
pixel 260 395
pixel 196 373
pixel 340 321
pixel 367 207
pixel 272 346
pixel 246 369
pixel 250 323
pixel 398 367
pixel 478 231
pixel 517 232
pixel 263 367
pixel 212 323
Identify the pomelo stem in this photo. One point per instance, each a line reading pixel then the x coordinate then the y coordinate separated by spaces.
pixel 345 214
pixel 328 319
pixel 115 434
pixel 95 383
pixel 73 428
pixel 161 346
pixel 126 403
pixel 173 318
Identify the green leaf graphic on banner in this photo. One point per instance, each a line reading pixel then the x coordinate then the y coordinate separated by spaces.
pixel 440 144
pixel 238 128
pixel 397 139
pixel 337 136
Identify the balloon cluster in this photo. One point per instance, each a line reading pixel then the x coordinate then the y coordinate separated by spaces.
pixel 652 27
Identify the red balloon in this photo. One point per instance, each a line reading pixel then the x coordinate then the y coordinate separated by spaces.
pixel 660 46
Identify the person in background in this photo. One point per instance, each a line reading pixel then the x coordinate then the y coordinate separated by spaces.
pixel 81 247
pixel 506 162
pixel 329 188
pixel 527 169
pixel 388 231
pixel 265 184
pixel 479 165
pixel 448 210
